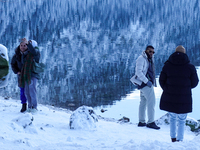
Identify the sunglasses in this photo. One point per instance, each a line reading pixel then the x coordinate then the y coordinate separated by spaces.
pixel 151 51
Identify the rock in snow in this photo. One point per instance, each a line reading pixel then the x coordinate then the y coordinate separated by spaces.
pixel 190 122
pixel 83 117
pixel 24 123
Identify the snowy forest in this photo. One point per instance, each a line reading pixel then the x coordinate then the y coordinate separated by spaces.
pixel 90 46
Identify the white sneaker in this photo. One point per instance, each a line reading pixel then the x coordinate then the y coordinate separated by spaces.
pixel 29 110
pixel 34 110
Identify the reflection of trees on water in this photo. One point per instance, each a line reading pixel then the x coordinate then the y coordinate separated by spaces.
pixel 90 47
pixel 96 85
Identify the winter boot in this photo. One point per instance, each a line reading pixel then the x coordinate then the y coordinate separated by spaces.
pixel 174 140
pixel 23 107
pixel 153 126
pixel 140 124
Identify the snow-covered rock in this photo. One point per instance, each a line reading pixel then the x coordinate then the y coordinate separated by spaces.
pixel 83 117
pixel 4 67
pixel 24 123
pixel 124 120
pixel 191 122
pixel 163 120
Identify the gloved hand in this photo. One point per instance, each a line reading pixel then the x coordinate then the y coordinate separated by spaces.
pixel 149 83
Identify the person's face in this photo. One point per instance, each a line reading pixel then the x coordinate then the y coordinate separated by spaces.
pixel 23 47
pixel 150 51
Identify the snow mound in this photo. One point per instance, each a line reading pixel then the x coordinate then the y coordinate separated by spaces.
pixel 83 117
pixel 24 123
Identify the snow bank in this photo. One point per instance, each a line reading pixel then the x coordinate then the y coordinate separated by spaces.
pixel 49 129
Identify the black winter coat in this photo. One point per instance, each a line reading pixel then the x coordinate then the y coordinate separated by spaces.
pixel 18 59
pixel 177 78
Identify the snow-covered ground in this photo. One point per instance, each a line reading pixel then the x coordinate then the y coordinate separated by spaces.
pixel 48 129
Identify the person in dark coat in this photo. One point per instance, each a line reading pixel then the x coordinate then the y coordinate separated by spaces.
pixel 177 78
pixel 21 63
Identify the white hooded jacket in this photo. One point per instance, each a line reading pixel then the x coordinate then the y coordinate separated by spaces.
pixel 142 65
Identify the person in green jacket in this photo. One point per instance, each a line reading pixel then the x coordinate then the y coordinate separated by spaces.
pixel 4 66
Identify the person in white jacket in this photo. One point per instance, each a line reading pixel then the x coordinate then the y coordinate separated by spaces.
pixel 144 79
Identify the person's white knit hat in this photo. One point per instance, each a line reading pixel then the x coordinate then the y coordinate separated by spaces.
pixel 34 43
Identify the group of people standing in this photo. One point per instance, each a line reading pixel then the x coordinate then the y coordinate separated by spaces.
pixel 22 64
pixel 177 78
